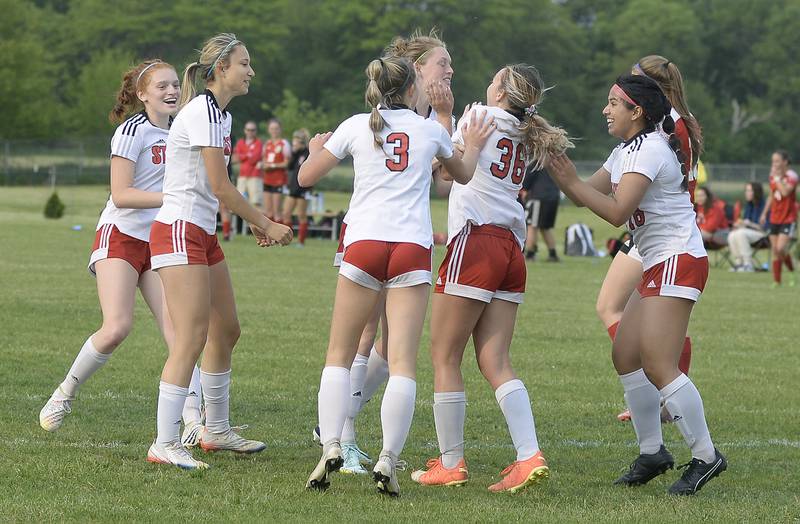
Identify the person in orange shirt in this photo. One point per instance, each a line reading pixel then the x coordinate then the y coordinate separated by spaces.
pixel 711 217
pixel 275 161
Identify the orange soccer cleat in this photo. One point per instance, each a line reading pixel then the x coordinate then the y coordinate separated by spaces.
pixel 522 474
pixel 625 416
pixel 438 475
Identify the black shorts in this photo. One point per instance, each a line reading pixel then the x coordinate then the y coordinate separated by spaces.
pixel 541 213
pixel 298 192
pixel 782 229
pixel 273 189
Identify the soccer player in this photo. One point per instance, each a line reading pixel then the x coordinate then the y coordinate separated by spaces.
pixel 626 268
pixel 146 102
pixel 187 255
pixel 482 281
pixel 388 245
pixel 782 208
pixel 296 199
pixel 275 161
pixel 644 184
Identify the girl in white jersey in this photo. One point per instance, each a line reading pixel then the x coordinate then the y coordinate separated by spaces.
pixel 625 270
pixel 482 280
pixel 120 256
pixel 388 245
pixel 642 184
pixel 432 65
pixel 186 253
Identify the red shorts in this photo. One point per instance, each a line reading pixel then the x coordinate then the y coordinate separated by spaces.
pixel 182 243
pixel 375 264
pixel 110 242
pixel 483 263
pixel 681 276
pixel 337 258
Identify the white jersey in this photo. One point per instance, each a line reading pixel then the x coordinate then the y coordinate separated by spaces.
pixel 664 223
pixel 491 196
pixel 187 191
pixel 391 189
pixel 143 144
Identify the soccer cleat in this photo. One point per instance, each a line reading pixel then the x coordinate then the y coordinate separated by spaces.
pixel 229 441
pixel 315 436
pixel 438 475
pixel 191 434
pixel 553 258
pixel 791 280
pixel 52 414
pixel 363 458
pixel 521 474
pixel 385 474
pixel 330 462
pixel 352 462
pixel 625 416
pixel 647 467
pixel 697 474
pixel 173 454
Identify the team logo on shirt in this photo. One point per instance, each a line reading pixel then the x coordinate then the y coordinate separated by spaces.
pixel 226 147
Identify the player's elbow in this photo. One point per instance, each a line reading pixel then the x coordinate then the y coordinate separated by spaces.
pixel 304 177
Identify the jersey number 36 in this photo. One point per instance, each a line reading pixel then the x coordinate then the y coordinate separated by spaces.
pixel 510 161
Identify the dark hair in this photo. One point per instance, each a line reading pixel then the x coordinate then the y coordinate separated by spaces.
pixel 647 94
pixel 709 197
pixel 784 154
pixel 758 192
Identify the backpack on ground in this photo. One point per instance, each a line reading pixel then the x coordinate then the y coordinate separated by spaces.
pixel 578 241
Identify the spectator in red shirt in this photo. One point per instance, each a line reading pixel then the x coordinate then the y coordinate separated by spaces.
pixel 247 155
pixel 711 217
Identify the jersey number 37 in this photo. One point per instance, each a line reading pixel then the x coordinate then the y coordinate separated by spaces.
pixel 510 161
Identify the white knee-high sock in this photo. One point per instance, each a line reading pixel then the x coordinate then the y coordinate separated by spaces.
pixel 516 407
pixel 449 412
pixel 216 389
pixel 686 407
pixel 377 373
pixel 168 417
pixel 85 364
pixel 358 372
pixel 191 408
pixel 397 410
pixel 644 403
pixel 333 402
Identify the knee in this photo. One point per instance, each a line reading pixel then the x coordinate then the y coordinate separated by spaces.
pixel 116 331
pixel 495 370
pixel 232 333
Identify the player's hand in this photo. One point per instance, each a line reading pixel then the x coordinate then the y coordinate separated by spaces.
pixel 261 237
pixel 562 169
pixel 316 143
pixel 440 97
pixel 278 233
pixel 477 130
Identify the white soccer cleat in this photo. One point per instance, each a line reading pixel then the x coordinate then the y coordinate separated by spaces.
pixel 229 441
pixel 191 434
pixel 330 462
pixel 52 414
pixel 175 455
pixel 352 463
pixel 385 474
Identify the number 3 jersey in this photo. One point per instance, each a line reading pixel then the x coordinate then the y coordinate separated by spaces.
pixel 491 196
pixel 664 223
pixel 391 188
pixel 141 142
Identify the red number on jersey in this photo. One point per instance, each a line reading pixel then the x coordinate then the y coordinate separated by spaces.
pixel 400 142
pixel 518 172
pixel 501 170
pixel 636 220
pixel 159 154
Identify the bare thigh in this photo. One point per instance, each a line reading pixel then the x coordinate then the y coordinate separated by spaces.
pixel 223 324
pixel 623 275
pixel 492 337
pixel 352 308
pixel 370 332
pixel 405 313
pixel 453 319
pixel 116 290
pixel 153 294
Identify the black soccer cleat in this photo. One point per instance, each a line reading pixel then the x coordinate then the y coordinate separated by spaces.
pixel 697 474
pixel 647 467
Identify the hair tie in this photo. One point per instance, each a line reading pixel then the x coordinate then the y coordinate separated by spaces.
pixel 638 68
pixel 531 111
pixel 219 56
pixel 138 78
pixel 667 63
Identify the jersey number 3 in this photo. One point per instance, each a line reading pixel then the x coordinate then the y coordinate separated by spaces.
pixel 399 160
pixel 509 161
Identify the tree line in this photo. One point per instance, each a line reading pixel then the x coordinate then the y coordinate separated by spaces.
pixel 63 59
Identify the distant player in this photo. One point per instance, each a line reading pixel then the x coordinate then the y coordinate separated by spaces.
pixel 388 245
pixel 275 159
pixel 146 102
pixel 782 208
pixel 296 199
pixel 626 269
pixel 644 184
pixel 482 281
pixel 187 255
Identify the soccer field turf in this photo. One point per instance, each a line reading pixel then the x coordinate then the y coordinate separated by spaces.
pixel 745 364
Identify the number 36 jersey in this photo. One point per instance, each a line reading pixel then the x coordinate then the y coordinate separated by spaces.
pixel 391 188
pixel 664 223
pixel 144 144
pixel 491 196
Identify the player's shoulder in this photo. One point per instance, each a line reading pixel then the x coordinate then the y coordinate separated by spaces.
pixel 792 175
pixel 133 125
pixel 204 108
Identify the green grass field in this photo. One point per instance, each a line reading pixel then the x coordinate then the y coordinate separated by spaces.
pixel 746 362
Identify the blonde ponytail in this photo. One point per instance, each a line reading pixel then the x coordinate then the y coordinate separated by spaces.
pixel 388 80
pixel 216 51
pixel 189 84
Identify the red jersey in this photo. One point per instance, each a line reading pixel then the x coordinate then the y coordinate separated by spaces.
pixel 249 155
pixel 276 152
pixel 713 219
pixel 783 209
